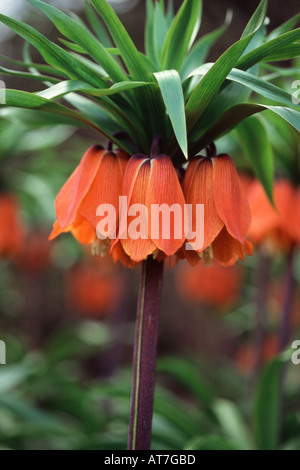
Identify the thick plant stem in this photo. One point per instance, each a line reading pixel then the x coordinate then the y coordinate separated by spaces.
pixel 144 356
pixel 287 310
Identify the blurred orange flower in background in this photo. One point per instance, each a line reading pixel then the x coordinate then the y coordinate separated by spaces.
pixel 11 228
pixel 275 228
pixel 214 285
pixel 215 183
pixel 246 354
pixel 93 289
pixel 36 253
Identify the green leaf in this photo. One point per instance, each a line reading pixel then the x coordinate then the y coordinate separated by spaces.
pixel 148 99
pixel 257 147
pixel 212 82
pixel 22 99
pixel 269 48
pixel 81 36
pixel 284 53
pixel 260 86
pixel 97 26
pixel 181 34
pixel 53 54
pixel 232 424
pixel 171 89
pixel 285 27
pixel 16 73
pixel 199 52
pixel 122 40
pixel 149 36
pixel 160 29
pixel 237 114
pixel 256 20
pixel 41 67
pixel 69 86
pixel 267 406
pixel 72 46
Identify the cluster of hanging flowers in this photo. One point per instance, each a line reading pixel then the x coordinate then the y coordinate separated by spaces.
pixel 104 175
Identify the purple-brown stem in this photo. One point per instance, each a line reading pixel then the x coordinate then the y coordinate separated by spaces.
pixel 144 356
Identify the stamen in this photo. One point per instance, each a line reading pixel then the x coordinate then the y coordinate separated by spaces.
pixel 208 255
pixel 100 247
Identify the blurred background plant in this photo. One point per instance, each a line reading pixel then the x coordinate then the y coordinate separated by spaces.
pixel 218 367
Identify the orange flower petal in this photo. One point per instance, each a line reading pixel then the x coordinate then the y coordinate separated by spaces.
pixel 106 186
pixel 118 254
pixel 200 191
pixel 81 229
pixel 227 249
pixel 230 199
pixel 164 188
pixel 77 186
pixel 138 172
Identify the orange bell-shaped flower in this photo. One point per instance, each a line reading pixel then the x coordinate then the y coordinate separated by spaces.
pixel 151 184
pixel 214 182
pixel 97 180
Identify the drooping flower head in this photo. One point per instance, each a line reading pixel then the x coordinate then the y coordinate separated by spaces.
pixel 214 182
pixel 151 184
pixel 97 180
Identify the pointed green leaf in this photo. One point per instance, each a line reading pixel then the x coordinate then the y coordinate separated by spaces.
pixel 16 73
pixel 257 147
pixel 53 54
pixel 256 20
pixel 269 48
pixel 122 40
pixel 160 29
pixel 96 25
pixel 171 89
pixel 81 36
pixel 70 86
pixel 237 114
pixel 181 33
pixel 149 35
pixel 199 52
pixel 232 424
pixel 256 84
pixel 212 82
pixel 22 99
pixel 285 27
